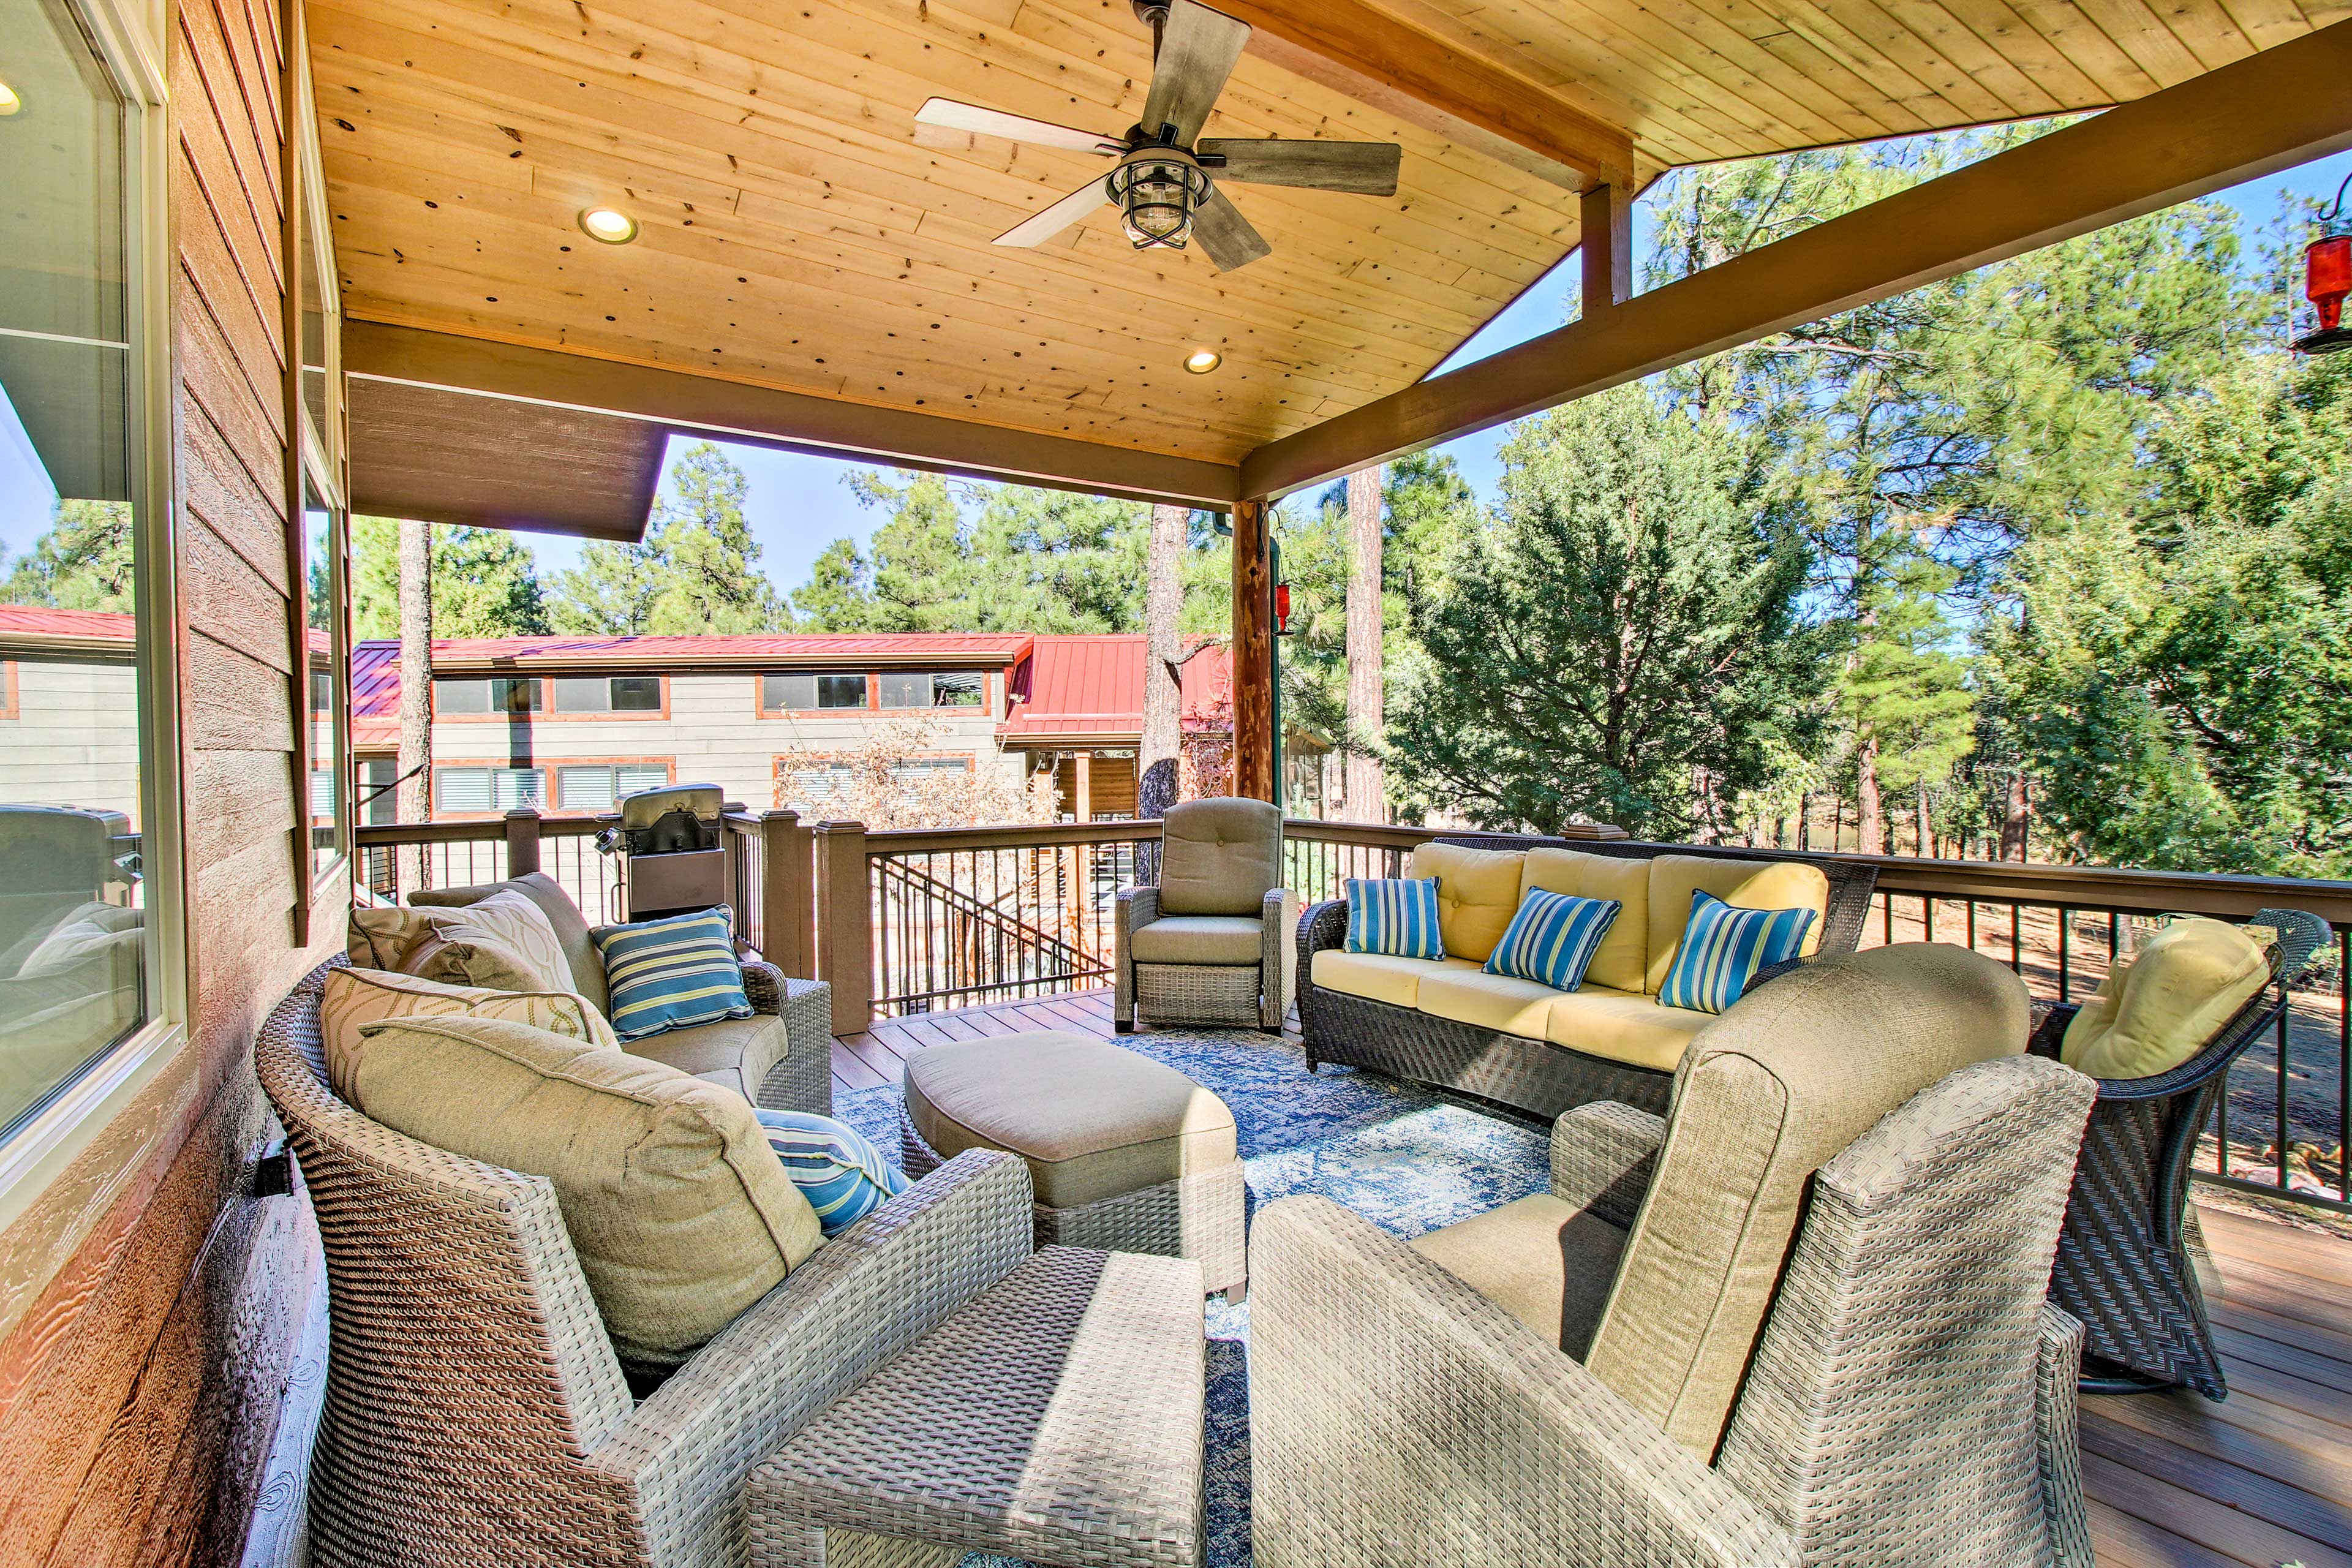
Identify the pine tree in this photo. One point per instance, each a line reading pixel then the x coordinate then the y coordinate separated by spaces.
pixel 696 572
pixel 83 562
pixel 1905 695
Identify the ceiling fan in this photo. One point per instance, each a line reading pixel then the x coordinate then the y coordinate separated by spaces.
pixel 1165 185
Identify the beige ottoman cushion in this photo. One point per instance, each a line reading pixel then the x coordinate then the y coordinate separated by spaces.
pixel 1094 1120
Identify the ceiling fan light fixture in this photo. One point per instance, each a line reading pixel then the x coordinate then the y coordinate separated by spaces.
pixel 608 224
pixel 1201 361
pixel 1156 193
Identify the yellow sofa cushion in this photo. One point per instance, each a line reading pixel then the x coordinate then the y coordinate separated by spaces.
pixel 1624 1026
pixel 1477 894
pixel 681 1215
pixel 2156 1008
pixel 1623 959
pixel 1744 884
pixel 1379 976
pixel 1501 1002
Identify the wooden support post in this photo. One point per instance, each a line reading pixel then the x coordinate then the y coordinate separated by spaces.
pixel 1253 654
pixel 523 841
pixel 1607 247
pixel 787 894
pixel 845 924
pixel 1083 789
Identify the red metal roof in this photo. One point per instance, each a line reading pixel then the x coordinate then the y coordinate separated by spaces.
pixel 375 697
pixel 1092 687
pixel 31 620
pixel 992 647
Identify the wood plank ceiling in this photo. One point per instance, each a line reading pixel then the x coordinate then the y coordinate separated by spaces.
pixel 795 234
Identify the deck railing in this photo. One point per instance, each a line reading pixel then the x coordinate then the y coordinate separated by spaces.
pixel 910 921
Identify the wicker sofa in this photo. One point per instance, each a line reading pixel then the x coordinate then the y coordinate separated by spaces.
pixel 1514 1042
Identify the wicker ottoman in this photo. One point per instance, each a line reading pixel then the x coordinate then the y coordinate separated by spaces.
pixel 1124 1153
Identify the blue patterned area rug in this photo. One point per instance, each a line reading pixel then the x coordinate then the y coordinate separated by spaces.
pixel 1403 1157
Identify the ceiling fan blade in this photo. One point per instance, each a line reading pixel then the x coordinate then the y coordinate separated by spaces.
pixel 947 115
pixel 1225 235
pixel 1366 168
pixel 1044 225
pixel 1198 47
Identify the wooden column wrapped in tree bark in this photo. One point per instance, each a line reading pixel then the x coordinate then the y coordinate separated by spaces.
pixel 1253 654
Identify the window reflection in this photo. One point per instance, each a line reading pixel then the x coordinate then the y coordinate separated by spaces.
pixel 73 947
pixel 322 550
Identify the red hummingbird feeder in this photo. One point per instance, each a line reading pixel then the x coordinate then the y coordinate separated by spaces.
pixel 2326 280
pixel 1282 600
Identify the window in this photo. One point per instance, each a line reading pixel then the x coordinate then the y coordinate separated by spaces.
pixel 805 693
pixel 324 649
pixel 459 695
pixel 608 694
pixel 463 791
pixel 87 848
pixel 812 784
pixel 914 688
pixel 597 786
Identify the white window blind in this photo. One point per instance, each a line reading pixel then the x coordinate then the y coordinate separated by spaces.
pixel 487 789
pixel 598 787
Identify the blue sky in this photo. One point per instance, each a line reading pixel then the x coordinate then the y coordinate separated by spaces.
pixel 799 504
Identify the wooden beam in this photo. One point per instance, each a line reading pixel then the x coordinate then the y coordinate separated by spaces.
pixel 1253 654
pixel 1390 63
pixel 1607 244
pixel 798 421
pixel 2269 111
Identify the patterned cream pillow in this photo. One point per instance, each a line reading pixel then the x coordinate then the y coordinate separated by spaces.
pixel 507 922
pixel 357 996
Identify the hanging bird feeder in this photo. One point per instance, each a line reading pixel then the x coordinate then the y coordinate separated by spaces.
pixel 2326 280
pixel 1282 609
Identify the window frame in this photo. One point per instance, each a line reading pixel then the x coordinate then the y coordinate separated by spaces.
pixel 39 1153
pixel 551 704
pixel 668 766
pixel 872 693
pixel 490 715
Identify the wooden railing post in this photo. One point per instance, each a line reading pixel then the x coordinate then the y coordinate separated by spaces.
pixel 845 922
pixel 523 841
pixel 788 897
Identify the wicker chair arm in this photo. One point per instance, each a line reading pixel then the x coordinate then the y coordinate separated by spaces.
pixel 2058 1370
pixel 1279 955
pixel 1769 974
pixel 1323 926
pixel 859 1301
pixel 763 987
pixel 1602 1157
pixel 1398 1416
pixel 2050 1034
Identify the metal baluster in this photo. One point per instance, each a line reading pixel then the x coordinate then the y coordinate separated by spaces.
pixel 1927 915
pixel 2066 930
pixel 2344 1062
pixel 2016 946
pixel 2285 1140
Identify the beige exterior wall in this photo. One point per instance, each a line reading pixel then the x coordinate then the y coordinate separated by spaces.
pixel 715 734
pixel 69 734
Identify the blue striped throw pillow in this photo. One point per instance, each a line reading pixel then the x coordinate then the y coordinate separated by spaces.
pixel 1552 938
pixel 1724 946
pixel 672 974
pixel 1397 917
pixel 835 1166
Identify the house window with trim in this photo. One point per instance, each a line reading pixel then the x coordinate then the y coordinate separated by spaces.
pixel 598 787
pixel 592 694
pixel 809 691
pixel 458 696
pixel 933 689
pixel 477 791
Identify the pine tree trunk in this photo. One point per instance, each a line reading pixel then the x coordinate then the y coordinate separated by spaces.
pixel 1870 822
pixel 1158 762
pixel 2015 819
pixel 416 761
pixel 1804 821
pixel 1926 833
pixel 1366 791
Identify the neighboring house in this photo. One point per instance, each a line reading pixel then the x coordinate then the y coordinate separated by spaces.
pixel 567 724
pixel 68 709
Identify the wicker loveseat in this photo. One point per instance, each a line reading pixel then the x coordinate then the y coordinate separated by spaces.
pixel 1522 1044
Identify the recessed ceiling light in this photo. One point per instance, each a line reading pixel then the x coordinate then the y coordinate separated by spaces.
pixel 610 226
pixel 1201 361
pixel 9 103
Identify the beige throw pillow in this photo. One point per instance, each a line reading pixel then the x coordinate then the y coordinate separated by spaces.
pixel 681 1215
pixel 2157 1009
pixel 509 943
pixel 358 996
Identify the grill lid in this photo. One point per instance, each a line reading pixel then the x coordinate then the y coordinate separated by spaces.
pixel 642 809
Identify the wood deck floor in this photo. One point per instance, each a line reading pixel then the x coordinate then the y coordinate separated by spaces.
pixel 2261 1479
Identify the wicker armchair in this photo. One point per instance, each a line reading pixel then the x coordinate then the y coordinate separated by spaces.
pixel 2123 1265
pixel 1910 1398
pixel 1211 942
pixel 475 1411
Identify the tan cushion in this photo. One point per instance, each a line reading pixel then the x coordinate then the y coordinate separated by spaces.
pixel 733 1053
pixel 357 996
pixel 681 1215
pixel 477 966
pixel 507 920
pixel 2155 1009
pixel 1477 894
pixel 1094 1120
pixel 1219 856
pixel 1541 1259
pixel 563 915
pixel 1622 961
pixel 1199 939
pixel 1766 1094
pixel 1503 1002
pixel 1624 1026
pixel 1379 976
pixel 1747 884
